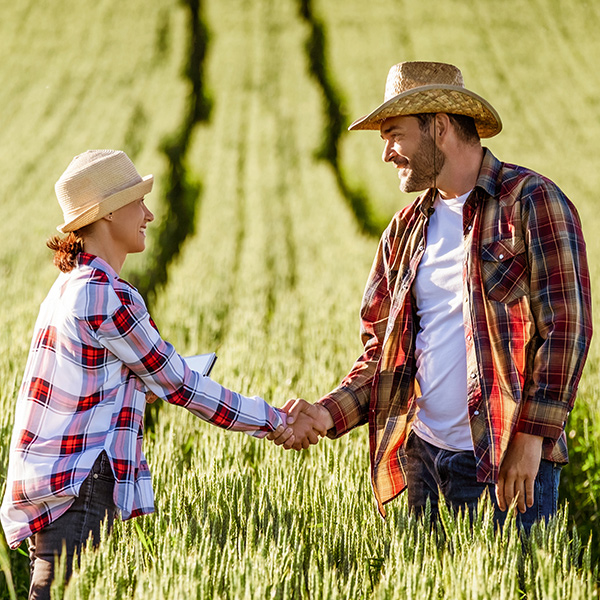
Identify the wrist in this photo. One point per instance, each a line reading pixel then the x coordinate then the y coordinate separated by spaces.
pixel 325 416
pixel 530 437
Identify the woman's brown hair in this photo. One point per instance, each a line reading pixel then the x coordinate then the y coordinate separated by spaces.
pixel 66 250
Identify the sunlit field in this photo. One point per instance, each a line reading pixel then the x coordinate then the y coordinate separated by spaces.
pixel 271 277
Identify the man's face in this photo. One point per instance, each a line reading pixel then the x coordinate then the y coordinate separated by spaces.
pixel 412 152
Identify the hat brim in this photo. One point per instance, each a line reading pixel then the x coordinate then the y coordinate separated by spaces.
pixel 436 98
pixel 107 205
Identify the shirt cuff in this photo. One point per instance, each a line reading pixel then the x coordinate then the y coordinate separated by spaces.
pixel 339 420
pixel 544 418
pixel 283 416
pixel 280 419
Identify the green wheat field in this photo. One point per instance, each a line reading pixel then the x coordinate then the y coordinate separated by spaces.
pixel 281 210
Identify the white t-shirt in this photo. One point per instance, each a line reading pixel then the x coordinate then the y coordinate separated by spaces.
pixel 441 352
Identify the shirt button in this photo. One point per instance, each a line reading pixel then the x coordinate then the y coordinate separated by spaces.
pixel 95 475
pixel 470 227
pixel 468 338
pixel 475 412
pixel 473 375
pixel 421 248
pixel 501 256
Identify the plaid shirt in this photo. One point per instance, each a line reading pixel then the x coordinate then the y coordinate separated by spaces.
pixel 527 322
pixel 95 352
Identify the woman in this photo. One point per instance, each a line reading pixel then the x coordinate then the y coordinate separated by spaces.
pixel 76 452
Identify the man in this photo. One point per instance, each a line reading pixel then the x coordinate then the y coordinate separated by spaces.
pixel 476 318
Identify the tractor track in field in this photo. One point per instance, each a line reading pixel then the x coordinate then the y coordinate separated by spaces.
pixel 228 299
pixel 335 122
pixel 281 254
pixel 183 191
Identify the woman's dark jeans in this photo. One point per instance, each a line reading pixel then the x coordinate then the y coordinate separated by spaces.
pixel 84 517
pixel 431 470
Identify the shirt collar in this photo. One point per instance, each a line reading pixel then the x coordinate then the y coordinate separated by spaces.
pixel 425 202
pixel 488 173
pixel 486 180
pixel 89 260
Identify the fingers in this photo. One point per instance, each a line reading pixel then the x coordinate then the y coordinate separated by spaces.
pixel 282 436
pixel 306 423
pixel 518 471
pixel 289 408
pixel 513 492
pixel 310 439
pixel 511 488
pixel 322 419
pixel 529 491
pixel 319 423
pixel 500 494
pixel 304 436
pixel 519 494
pixel 508 489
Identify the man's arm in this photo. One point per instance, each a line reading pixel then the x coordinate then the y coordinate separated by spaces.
pixel 561 304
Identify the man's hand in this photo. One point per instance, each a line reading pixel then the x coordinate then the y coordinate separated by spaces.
pixel 306 422
pixel 518 471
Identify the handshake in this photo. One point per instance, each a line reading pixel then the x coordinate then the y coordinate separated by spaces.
pixel 305 424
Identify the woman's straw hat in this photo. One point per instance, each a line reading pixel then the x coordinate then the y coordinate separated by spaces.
pixel 96 183
pixel 430 87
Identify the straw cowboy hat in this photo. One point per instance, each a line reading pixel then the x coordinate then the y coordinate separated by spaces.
pixel 430 87
pixel 96 183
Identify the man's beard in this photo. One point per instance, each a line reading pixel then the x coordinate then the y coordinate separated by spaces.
pixel 422 173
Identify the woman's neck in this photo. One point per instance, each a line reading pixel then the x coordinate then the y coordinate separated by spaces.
pixel 98 243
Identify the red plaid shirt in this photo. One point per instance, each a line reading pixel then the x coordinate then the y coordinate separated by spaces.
pixel 527 322
pixel 95 352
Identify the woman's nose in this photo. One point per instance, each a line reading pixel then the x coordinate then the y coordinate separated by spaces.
pixel 149 216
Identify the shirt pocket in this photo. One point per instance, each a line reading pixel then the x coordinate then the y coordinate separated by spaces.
pixel 504 270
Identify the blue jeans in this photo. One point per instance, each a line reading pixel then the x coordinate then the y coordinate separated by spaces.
pixel 84 517
pixel 431 471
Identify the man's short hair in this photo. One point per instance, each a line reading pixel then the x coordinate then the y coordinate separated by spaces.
pixel 464 126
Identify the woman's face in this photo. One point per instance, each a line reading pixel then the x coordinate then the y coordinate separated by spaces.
pixel 129 226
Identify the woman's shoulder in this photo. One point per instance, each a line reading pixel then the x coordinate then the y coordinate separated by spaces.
pixel 88 293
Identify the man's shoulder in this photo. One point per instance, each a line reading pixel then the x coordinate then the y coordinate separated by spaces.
pixel 509 180
pixel 512 174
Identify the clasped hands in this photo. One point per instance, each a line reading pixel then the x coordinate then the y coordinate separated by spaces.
pixel 306 423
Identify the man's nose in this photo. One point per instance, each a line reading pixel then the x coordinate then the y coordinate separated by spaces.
pixel 388 152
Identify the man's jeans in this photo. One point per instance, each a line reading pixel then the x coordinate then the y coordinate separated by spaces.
pixel 84 517
pixel 431 471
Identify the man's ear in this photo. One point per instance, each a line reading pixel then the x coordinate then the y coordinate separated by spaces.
pixel 441 124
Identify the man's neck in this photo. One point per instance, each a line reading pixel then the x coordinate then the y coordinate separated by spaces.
pixel 460 171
